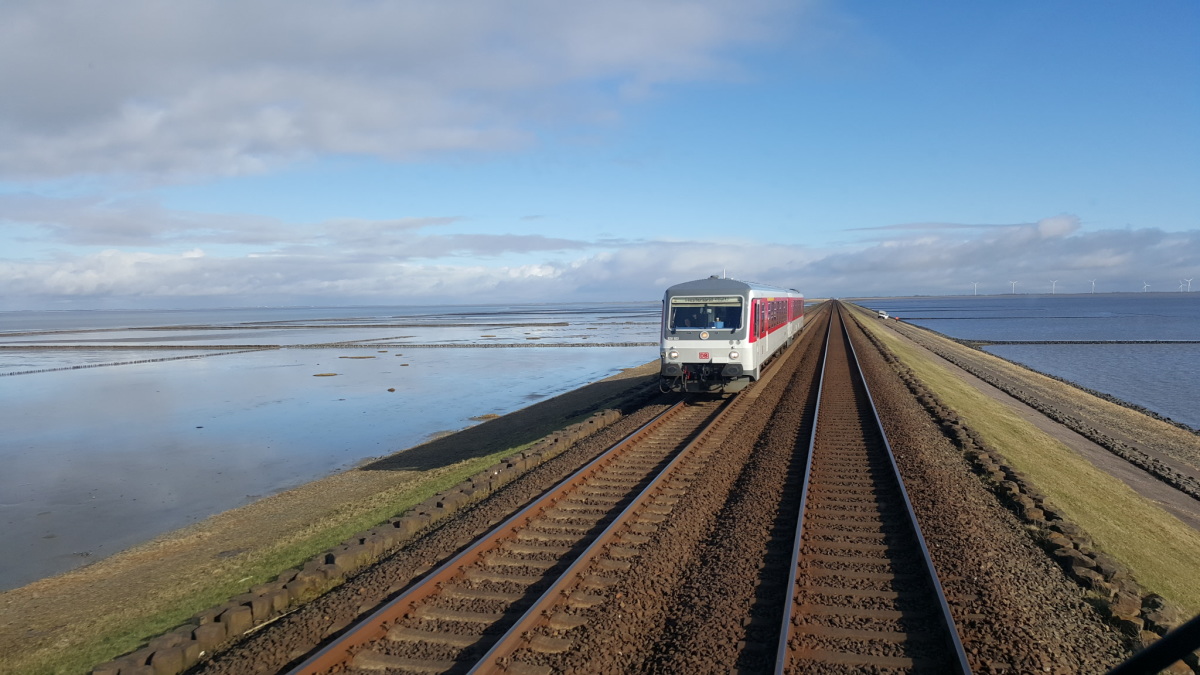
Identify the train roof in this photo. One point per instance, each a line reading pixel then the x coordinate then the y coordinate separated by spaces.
pixel 717 286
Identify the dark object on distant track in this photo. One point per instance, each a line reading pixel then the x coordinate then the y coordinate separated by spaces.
pixel 717 334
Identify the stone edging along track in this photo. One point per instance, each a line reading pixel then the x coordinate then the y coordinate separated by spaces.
pixel 1139 614
pixel 1155 467
pixel 218 627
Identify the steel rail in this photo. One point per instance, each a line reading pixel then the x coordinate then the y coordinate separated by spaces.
pixel 953 644
pixel 785 629
pixel 374 626
pixel 496 659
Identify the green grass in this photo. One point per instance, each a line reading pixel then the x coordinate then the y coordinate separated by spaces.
pixel 1162 552
pixel 121 633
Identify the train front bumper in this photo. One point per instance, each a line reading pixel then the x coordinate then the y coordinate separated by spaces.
pixel 702 370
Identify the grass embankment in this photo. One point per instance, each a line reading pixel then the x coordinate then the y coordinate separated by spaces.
pixel 116 630
pixel 1161 551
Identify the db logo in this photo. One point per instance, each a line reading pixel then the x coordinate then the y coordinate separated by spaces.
pixel 704 355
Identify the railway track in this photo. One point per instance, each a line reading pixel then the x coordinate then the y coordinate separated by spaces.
pixel 862 591
pixel 489 609
pixel 865 594
pixel 763 533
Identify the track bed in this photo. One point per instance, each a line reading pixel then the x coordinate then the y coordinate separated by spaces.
pixel 686 563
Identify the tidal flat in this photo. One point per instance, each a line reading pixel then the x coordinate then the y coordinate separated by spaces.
pixel 102 457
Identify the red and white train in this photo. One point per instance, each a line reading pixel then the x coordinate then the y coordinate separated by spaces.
pixel 718 333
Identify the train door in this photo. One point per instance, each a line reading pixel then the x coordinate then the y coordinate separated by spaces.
pixel 760 332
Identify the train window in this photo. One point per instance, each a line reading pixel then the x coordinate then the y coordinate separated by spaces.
pixel 705 313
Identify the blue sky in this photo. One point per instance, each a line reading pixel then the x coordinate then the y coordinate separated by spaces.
pixel 202 154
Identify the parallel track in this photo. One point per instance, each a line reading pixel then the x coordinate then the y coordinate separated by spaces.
pixel 446 621
pixel 864 595
pixel 864 592
pixel 481 610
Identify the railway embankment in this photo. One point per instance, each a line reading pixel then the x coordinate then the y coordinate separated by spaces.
pixel 1164 449
pixel 1050 562
pixel 1016 608
pixel 1135 558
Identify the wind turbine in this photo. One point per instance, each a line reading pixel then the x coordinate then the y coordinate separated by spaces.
pixel 1053 283
pixel 1093 285
pixel 976 285
pixel 1145 286
pixel 1014 285
pixel 1189 283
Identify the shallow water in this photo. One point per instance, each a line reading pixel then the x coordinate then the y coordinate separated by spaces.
pixel 100 458
pixel 1164 378
pixel 1164 374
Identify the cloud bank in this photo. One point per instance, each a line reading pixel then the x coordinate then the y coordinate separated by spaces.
pixel 191 88
pixel 413 261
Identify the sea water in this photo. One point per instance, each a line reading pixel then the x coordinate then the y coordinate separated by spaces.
pixel 117 430
pixel 1139 347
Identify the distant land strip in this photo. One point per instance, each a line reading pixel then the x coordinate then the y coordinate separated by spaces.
pixel 242 349
pixel 127 363
pixel 999 318
pixel 985 343
pixel 139 347
pixel 260 326
pixel 506 345
pixel 320 345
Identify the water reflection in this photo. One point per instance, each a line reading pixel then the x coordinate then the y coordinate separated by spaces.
pixel 99 459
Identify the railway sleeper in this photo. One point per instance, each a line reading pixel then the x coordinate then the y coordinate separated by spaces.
pixel 556 513
pixel 418 636
pixel 372 660
pixel 522 561
pixel 566 538
pixel 817 571
pixel 578 506
pixel 465 592
pixel 649 516
pixel 823 656
pixel 833 544
pixel 623 553
pixel 501 577
pixel 523 548
pixel 564 621
pixel 584 600
pixel 820 533
pixel 563 525
pixel 435 613
pixel 817 630
pixel 859 592
pixel 811 610
pixel 596 582
pixel 546 644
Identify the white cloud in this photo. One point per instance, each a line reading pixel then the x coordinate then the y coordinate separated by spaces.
pixel 193 88
pixel 141 224
pixel 1057 226
pixel 409 260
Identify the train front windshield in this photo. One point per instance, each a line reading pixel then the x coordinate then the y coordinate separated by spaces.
pixel 705 313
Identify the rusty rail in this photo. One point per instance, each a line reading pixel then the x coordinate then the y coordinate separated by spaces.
pixel 391 622
pixel 865 592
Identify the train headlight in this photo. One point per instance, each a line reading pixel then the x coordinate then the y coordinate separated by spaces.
pixel 673 354
pixel 733 355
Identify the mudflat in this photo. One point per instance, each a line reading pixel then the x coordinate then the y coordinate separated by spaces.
pixel 68 622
